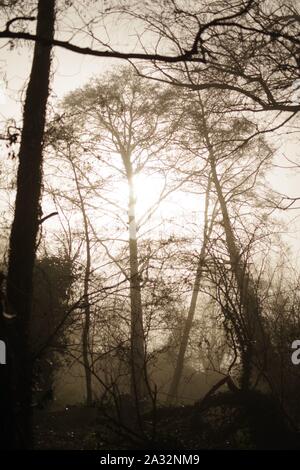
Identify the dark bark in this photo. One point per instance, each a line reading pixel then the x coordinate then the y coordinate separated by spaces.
pixel 24 234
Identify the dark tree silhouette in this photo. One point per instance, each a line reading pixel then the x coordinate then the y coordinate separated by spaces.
pixel 23 238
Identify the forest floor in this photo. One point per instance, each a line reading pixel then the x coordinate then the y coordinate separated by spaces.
pixel 219 427
pixel 81 428
pixel 69 429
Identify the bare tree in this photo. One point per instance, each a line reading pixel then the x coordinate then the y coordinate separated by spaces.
pixel 129 117
pixel 207 228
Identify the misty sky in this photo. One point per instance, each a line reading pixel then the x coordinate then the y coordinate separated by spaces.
pixel 72 70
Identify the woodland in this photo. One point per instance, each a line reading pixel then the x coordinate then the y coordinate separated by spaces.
pixel 149 247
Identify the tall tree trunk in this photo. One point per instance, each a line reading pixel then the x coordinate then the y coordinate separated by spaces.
pixel 174 386
pixel 86 284
pixel 24 230
pixel 258 349
pixel 138 360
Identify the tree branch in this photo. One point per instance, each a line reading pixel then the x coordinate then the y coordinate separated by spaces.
pixel 47 217
pixel 18 18
pixel 187 56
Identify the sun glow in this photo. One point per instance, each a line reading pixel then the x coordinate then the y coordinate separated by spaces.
pixel 148 191
pixel 155 197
